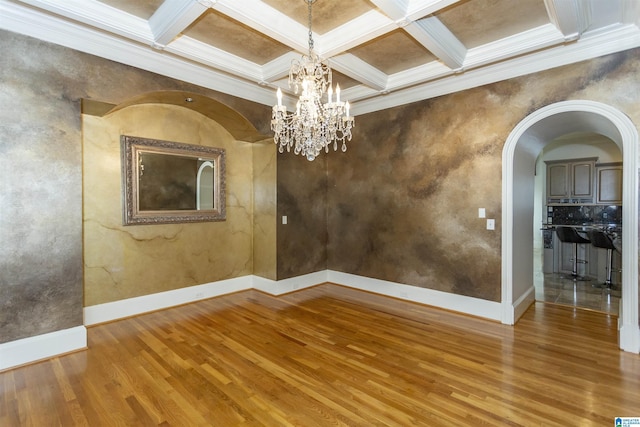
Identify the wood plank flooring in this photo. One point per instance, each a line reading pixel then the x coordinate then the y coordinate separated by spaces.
pixel 331 356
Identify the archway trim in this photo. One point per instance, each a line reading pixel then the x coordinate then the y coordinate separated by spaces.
pixel 617 126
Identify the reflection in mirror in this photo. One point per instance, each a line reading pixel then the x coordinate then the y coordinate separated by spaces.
pixel 170 182
pixel 204 186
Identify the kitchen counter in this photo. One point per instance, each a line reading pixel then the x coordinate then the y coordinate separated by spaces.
pixel 609 227
pixel 557 255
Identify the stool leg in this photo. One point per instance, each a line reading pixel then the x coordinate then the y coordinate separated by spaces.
pixel 574 273
pixel 607 283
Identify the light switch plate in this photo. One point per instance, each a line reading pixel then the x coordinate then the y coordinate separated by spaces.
pixel 284 219
pixel 491 224
pixel 482 213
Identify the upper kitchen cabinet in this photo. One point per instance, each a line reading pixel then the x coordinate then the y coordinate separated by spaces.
pixel 609 183
pixel 571 181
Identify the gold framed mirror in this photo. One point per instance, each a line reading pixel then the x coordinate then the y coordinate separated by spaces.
pixel 170 182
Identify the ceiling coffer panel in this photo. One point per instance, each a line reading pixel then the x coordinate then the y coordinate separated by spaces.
pixel 393 52
pixel 140 8
pixel 229 35
pixel 478 22
pixel 327 14
pixel 387 52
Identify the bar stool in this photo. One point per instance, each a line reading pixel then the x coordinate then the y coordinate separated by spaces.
pixel 600 239
pixel 570 235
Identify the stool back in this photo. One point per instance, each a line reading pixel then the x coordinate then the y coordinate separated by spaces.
pixel 570 235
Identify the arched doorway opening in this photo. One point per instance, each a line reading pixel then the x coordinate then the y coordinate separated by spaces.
pixel 523 146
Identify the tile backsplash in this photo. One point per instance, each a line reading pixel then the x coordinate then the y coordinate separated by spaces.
pixel 578 215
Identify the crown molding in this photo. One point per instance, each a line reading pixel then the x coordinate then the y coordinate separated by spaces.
pixel 97 14
pixel 23 20
pixel 255 83
pixel 617 39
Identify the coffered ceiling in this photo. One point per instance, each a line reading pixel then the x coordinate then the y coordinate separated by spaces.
pixel 383 52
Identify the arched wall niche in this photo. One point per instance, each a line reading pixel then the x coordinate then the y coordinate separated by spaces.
pixel 523 146
pixel 235 123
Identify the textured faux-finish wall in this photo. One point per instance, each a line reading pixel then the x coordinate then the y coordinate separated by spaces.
pixel 302 198
pixel 41 86
pixel 127 261
pixel 403 201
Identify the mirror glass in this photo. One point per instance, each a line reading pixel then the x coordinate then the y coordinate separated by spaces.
pixel 170 182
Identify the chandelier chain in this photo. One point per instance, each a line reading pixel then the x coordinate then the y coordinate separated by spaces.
pixel 309 3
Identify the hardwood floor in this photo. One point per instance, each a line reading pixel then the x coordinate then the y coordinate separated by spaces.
pixel 331 355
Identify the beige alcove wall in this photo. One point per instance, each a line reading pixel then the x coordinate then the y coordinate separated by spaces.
pixel 127 261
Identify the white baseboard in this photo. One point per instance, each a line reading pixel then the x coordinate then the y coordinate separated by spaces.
pixel 523 303
pixel 115 310
pixel 280 287
pixel 460 303
pixel 629 338
pixel 27 350
pixel 41 347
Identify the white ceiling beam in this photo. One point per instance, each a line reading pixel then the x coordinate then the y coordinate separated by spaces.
pixel 532 40
pixel 96 14
pixel 279 67
pixel 571 17
pixel 436 37
pixel 360 30
pixel 420 8
pixel 359 70
pixel 256 14
pixel 405 11
pixel 394 9
pixel 173 16
pixel 617 39
pixel 195 50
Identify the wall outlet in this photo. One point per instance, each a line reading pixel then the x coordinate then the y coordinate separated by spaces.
pixel 284 219
pixel 482 213
pixel 491 224
pixel 199 295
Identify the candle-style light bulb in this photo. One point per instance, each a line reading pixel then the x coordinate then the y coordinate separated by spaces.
pixel 347 106
pixel 329 94
pixel 279 95
pixel 338 93
pixel 298 108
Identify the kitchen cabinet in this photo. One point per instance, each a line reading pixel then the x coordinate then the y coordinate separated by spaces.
pixel 609 183
pixel 571 181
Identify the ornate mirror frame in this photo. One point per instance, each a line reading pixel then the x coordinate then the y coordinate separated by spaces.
pixel 131 150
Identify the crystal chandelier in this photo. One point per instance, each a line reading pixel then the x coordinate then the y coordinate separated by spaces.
pixel 314 125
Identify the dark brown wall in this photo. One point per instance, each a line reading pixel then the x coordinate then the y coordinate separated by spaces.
pixel 41 86
pixel 403 202
pixel 302 194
